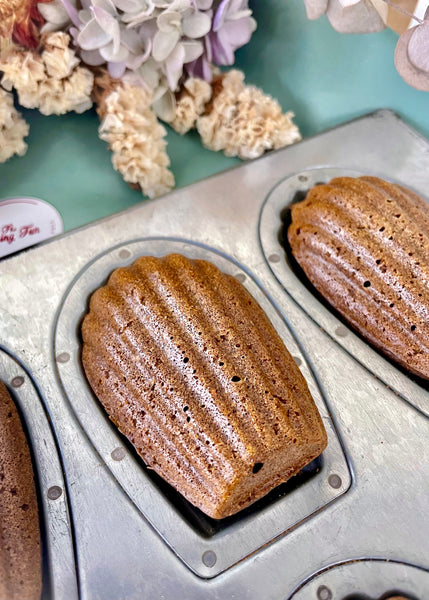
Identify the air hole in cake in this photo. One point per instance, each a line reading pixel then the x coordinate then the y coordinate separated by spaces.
pixel 392 304
pixel 188 419
pixel 185 408
pixel 413 327
pixel 257 467
pixel 378 261
pixel 186 359
pixel 382 229
pixel 235 378
pixel 221 364
pixel 366 284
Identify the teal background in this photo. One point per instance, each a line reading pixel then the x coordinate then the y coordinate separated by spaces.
pixel 324 77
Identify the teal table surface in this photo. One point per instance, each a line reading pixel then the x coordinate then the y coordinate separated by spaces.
pixel 324 77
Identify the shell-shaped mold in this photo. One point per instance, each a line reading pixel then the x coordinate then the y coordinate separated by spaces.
pixel 364 244
pixel 190 369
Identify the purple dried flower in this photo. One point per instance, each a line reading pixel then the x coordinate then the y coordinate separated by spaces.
pixel 232 28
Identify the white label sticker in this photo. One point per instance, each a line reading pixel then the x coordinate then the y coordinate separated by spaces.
pixel 25 222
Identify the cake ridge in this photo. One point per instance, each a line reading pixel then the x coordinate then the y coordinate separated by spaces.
pixel 228 357
pixel 117 368
pixel 173 322
pixel 175 449
pixel 261 375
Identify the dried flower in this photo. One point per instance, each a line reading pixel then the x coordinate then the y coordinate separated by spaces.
pixel 243 121
pixel 55 15
pixel 21 20
pixel 412 55
pixel 232 28
pixel 158 39
pixel 190 104
pixel 347 16
pixel 136 139
pixel 13 129
pixel 51 81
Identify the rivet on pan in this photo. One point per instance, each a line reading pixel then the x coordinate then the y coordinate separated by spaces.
pixel 54 492
pixel 335 481
pixel 297 360
pixel 124 253
pixel 302 178
pixel 341 331
pixel 63 357
pixel 324 593
pixel 274 258
pixel 17 381
pixel 118 454
pixel 209 558
pixel 241 277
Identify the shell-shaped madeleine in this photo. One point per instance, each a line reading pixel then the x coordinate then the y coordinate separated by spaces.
pixel 20 547
pixel 364 244
pixel 190 369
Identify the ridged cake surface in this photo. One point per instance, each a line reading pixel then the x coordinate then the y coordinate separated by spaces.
pixel 190 369
pixel 20 554
pixel 364 244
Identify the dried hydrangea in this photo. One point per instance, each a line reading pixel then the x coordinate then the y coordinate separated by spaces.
pixel 13 129
pixel 136 139
pixel 55 15
pixel 157 39
pixel 232 28
pixel 243 121
pixel 412 54
pixel 190 104
pixel 52 81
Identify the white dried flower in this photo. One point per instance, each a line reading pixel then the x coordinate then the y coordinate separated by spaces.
pixel 190 104
pixel 243 121
pixel 55 15
pixel 51 81
pixel 59 59
pixel 136 139
pixel 13 129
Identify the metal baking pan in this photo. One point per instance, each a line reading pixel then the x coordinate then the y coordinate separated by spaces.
pixel 58 561
pixel 362 506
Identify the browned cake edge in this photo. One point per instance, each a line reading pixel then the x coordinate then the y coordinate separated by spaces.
pixel 20 548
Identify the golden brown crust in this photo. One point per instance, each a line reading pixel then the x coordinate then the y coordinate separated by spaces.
pixel 190 369
pixel 364 244
pixel 20 554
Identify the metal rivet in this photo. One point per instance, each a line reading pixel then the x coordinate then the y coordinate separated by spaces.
pixel 274 258
pixel 297 360
pixel 124 253
pixel 324 593
pixel 54 492
pixel 341 331
pixel 335 481
pixel 118 454
pixel 63 357
pixel 209 558
pixel 17 381
pixel 241 277
pixel 302 178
